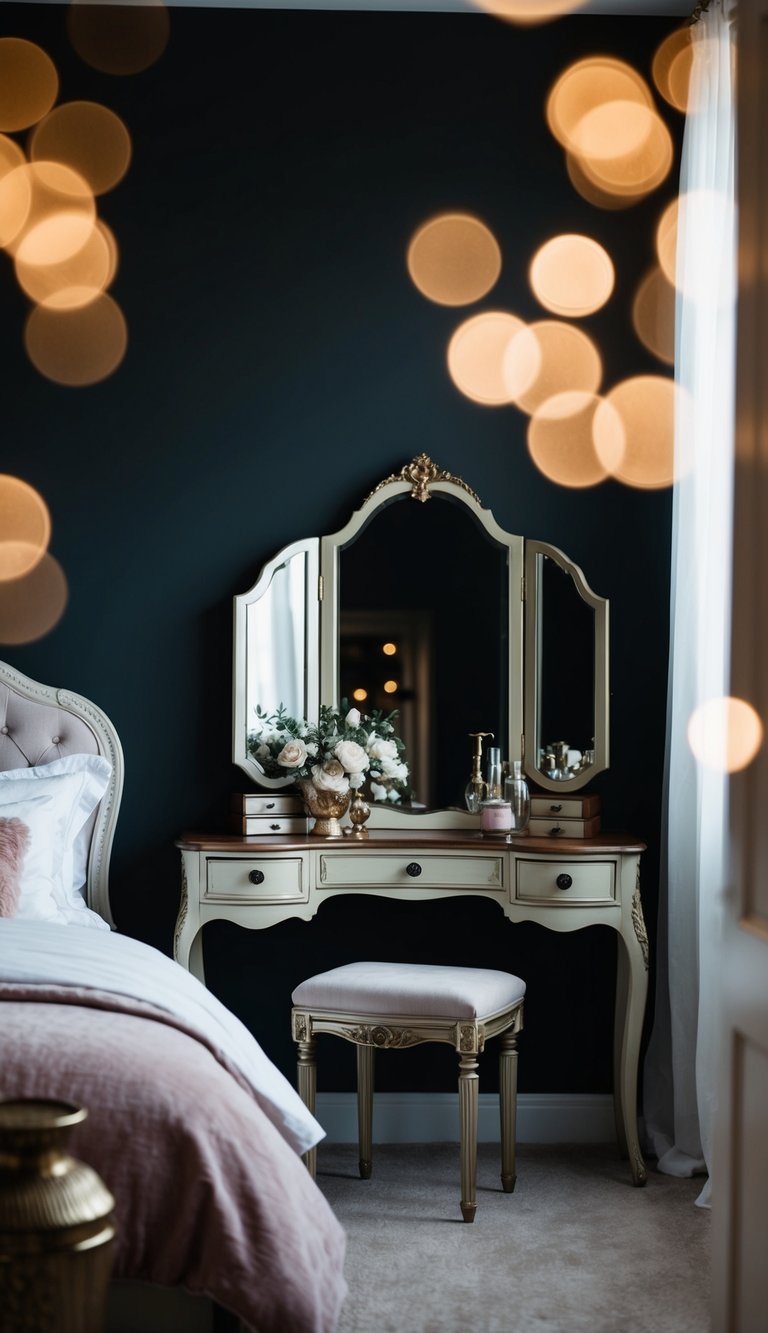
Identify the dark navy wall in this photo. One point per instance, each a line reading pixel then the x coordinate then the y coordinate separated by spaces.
pixel 281 363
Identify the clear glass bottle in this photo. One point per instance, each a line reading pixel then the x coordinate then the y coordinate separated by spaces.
pixel 494 773
pixel 517 794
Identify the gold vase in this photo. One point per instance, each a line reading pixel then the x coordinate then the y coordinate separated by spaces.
pixel 325 807
pixel 56 1226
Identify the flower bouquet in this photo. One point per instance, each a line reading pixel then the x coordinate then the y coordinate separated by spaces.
pixel 332 757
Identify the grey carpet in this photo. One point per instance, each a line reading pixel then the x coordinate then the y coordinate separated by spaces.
pixel 575 1249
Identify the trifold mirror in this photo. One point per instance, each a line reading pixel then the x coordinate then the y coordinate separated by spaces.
pixel 424 604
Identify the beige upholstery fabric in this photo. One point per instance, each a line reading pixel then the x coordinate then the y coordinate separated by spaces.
pixel 391 989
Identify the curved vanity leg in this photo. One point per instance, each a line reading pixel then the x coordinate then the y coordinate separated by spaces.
pixel 307 1083
pixel 619 1019
pixel 188 939
pixel 634 970
pixel 508 1108
pixel 468 1099
pixel 365 1055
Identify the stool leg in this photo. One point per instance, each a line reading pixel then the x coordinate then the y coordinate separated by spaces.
pixel 468 1089
pixel 508 1109
pixel 307 1082
pixel 365 1056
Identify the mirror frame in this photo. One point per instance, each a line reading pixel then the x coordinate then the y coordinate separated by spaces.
pixel 420 480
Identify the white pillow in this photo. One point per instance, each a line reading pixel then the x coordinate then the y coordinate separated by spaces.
pixel 55 801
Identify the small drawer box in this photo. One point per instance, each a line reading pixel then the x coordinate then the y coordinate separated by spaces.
pixel 564 807
pixel 258 881
pixel 555 826
pixel 264 825
pixel 563 882
pixel 263 803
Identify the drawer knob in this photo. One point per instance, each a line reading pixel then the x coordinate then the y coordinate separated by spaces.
pixel 256 876
pixel 275 828
pixel 271 805
pixel 556 809
pixel 413 869
pixel 564 881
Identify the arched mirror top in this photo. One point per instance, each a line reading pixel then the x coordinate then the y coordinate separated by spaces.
pixel 424 604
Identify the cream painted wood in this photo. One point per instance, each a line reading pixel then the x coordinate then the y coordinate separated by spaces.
pixel 740 1173
pixel 605 890
pixel 371 1031
pixel 257 880
pixel 544 807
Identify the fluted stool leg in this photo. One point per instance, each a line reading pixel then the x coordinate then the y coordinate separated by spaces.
pixel 365 1055
pixel 307 1084
pixel 508 1109
pixel 468 1092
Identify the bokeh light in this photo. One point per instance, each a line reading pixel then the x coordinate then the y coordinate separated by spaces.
pixel 360 695
pixel 569 360
pixel 572 275
pixel 29 84
pixel 527 12
pixel 636 171
pixel 389 649
pixel 391 687
pixel 586 86
pixel 671 67
pixel 594 195
pixel 87 137
pixel 454 259
pixel 653 315
pixel 118 38
pixel 61 213
pixel 561 443
pixel 725 734
pixel 476 355
pixel 75 281
pixel 25 527
pixel 15 202
pixel 11 155
pixel 31 606
pixel 79 346
pixel 634 431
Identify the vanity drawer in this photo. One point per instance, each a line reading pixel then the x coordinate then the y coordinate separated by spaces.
pixel 411 870
pixel 266 825
pixel 564 807
pixel 257 880
pixel 584 881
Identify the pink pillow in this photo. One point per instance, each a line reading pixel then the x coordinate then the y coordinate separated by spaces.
pixel 14 841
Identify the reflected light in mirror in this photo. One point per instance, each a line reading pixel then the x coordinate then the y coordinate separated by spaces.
pixel 454 259
pixel 77 347
pixel 25 527
pixel 476 356
pixel 76 280
pixel 87 137
pixel 569 360
pixel 390 687
pixel 359 695
pixel 118 38
pixel 671 67
pixel 584 87
pixel 527 12
pixel 653 315
pixel 561 443
pixel 725 734
pixel 639 170
pixel 29 83
pixel 634 431
pixel 61 216
pixel 572 275
pixel 389 649
pixel 31 606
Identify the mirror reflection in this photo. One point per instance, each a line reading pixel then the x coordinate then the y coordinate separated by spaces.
pixel 276 640
pixel 565 628
pixel 423 616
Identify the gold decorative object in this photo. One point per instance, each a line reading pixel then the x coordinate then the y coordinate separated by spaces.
pixel 325 807
pixel 56 1224
pixel 421 473
pixel 359 811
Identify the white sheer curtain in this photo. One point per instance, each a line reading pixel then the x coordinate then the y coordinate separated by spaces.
pixel 680 1071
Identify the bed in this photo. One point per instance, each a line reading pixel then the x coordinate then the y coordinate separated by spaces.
pixel 191 1126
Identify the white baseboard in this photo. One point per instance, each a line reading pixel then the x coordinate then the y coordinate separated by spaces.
pixel 407 1117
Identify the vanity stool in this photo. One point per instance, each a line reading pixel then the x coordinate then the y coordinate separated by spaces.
pixel 394 1005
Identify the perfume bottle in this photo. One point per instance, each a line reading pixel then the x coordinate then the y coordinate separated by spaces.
pixel 475 791
pixel 517 794
pixel 494 773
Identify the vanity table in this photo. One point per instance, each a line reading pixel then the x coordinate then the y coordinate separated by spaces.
pixel 434 609
pixel 563 885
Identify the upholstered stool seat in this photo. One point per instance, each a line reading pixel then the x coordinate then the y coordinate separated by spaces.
pixel 395 1005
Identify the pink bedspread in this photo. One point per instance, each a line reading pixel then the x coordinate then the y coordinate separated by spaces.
pixel 208 1193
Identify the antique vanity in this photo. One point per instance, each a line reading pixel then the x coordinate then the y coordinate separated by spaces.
pixel 321 621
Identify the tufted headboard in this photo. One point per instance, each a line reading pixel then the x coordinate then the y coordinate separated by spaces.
pixel 39 724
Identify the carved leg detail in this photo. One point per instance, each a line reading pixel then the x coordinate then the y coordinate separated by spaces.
pixel 619 1019
pixel 468 1092
pixel 365 1056
pixel 307 1083
pixel 636 990
pixel 508 1109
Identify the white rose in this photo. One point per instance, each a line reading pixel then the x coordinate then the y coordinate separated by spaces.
pixel 353 718
pixel 330 776
pixel 292 754
pixel 378 793
pixel 392 768
pixel 351 756
pixel 356 780
pixel 380 749
pixel 311 749
pixel 393 795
